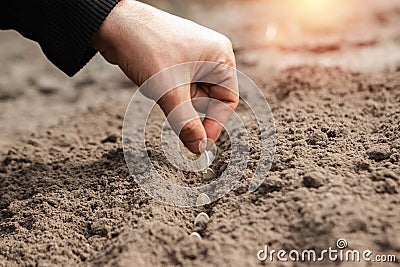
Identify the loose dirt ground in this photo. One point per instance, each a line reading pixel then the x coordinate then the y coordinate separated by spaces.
pixel 67 198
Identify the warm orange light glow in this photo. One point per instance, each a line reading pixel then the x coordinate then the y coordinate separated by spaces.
pixel 315 4
pixel 301 21
pixel 270 32
pixel 318 14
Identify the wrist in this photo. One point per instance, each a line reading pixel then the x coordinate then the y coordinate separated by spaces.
pixel 101 38
pixel 111 30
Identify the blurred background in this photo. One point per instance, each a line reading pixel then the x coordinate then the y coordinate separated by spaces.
pixel 268 36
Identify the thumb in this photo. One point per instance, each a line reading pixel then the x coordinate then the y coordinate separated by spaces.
pixel 183 118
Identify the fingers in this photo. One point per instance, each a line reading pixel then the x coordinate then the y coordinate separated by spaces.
pixel 223 92
pixel 217 101
pixel 222 104
pixel 183 118
pixel 216 89
pixel 200 96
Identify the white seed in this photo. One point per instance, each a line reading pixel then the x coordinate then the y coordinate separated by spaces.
pixel 203 161
pixel 202 218
pixel 195 235
pixel 202 199
pixel 209 174
pixel 210 156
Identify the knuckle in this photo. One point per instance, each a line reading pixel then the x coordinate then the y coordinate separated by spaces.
pixel 222 42
pixel 234 102
pixel 189 127
pixel 228 44
pixel 226 51
pixel 234 105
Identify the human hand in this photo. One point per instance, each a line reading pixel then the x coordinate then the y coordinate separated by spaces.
pixel 143 41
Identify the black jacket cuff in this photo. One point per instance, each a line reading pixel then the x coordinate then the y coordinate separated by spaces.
pixel 63 28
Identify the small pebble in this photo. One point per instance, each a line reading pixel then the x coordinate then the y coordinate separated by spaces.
pixel 113 138
pixel 202 218
pixel 195 235
pixel 379 152
pixel 204 160
pixel 319 139
pixel 202 200
pixel 313 180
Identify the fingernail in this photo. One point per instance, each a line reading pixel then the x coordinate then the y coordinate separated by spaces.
pixel 206 144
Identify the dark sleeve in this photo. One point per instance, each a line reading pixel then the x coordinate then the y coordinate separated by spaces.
pixel 63 28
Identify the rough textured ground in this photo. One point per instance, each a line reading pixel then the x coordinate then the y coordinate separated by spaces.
pixel 67 198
